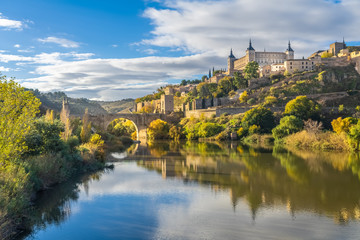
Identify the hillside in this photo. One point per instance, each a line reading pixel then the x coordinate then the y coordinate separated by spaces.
pixel 77 105
pixel 117 106
pixel 330 86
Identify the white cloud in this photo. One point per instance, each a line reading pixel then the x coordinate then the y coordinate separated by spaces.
pixel 60 41
pixel 17 46
pixel 4 69
pixel 10 24
pixel 110 79
pixel 200 26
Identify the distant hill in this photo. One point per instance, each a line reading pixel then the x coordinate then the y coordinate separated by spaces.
pixel 77 105
pixel 53 100
pixel 117 106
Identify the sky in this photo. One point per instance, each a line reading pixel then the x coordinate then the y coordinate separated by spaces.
pixel 112 49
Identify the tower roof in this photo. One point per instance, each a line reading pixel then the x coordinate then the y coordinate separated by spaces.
pixel 289 48
pixel 250 46
pixel 231 54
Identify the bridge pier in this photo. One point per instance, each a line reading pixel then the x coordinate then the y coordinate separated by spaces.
pixel 142 134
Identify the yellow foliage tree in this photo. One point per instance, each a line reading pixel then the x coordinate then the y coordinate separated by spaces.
pixel 340 125
pixel 244 97
pixel 18 109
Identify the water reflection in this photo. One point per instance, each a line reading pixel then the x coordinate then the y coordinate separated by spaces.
pixel 325 183
pixel 253 178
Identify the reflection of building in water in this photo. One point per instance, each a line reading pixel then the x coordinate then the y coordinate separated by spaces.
pixel 271 179
pixel 168 168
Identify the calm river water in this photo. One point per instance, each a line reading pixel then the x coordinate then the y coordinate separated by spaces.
pixel 207 191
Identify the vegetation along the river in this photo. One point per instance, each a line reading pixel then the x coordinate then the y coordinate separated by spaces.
pixel 40 150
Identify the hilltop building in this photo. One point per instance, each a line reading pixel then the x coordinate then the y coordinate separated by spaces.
pixel 262 58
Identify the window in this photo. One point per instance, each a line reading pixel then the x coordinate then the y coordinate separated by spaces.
pixel 290 67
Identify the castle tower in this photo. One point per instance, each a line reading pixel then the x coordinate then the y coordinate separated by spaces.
pixel 289 52
pixel 250 52
pixel 230 63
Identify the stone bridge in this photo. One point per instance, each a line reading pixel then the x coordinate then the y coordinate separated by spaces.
pixel 140 121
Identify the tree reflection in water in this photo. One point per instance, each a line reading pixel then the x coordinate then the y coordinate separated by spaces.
pixel 325 183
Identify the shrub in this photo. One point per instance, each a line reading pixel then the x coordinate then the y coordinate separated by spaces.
pixel 207 129
pixel 303 108
pixel 251 101
pixel 270 100
pixel 244 97
pixel 96 140
pixel 158 129
pixel 222 136
pixel 254 129
pixel 340 125
pixel 175 133
pixel 126 140
pixel 288 125
pixel 259 116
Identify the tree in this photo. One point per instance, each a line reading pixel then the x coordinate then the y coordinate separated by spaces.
pixel 158 129
pixel 259 116
pixel 203 90
pixel 18 109
pixel 340 125
pixel 209 129
pixel 244 97
pixel 203 78
pixel 239 81
pixel 175 133
pixel 326 55
pixel 86 127
pixel 225 85
pixel 288 125
pixel 303 108
pixel 251 70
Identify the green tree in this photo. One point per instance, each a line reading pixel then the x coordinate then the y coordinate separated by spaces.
pixel 203 90
pixel 303 108
pixel 239 81
pixel 18 109
pixel 259 116
pixel 208 129
pixel 175 133
pixel 251 70
pixel 225 85
pixel 288 125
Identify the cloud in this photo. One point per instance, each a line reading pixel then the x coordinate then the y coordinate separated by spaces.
pixel 60 41
pixel 9 24
pixel 17 46
pixel 200 26
pixel 110 79
pixel 4 69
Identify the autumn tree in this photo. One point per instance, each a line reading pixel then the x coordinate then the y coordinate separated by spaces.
pixel 86 127
pixel 18 109
pixel 303 108
pixel 158 129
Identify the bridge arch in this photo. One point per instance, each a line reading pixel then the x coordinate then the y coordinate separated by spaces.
pixel 140 121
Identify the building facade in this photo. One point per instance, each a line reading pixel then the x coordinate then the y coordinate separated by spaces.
pixel 262 58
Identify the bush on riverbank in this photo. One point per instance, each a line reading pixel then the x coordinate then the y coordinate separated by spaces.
pixel 321 140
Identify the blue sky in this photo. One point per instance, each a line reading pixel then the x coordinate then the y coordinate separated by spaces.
pixel 112 49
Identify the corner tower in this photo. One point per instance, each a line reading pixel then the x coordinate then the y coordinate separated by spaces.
pixel 230 63
pixel 289 52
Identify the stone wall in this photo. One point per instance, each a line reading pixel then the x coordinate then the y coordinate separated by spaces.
pixel 202 112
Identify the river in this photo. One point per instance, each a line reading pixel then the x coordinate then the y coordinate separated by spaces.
pixel 207 191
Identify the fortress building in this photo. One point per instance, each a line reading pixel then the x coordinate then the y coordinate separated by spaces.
pixel 262 58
